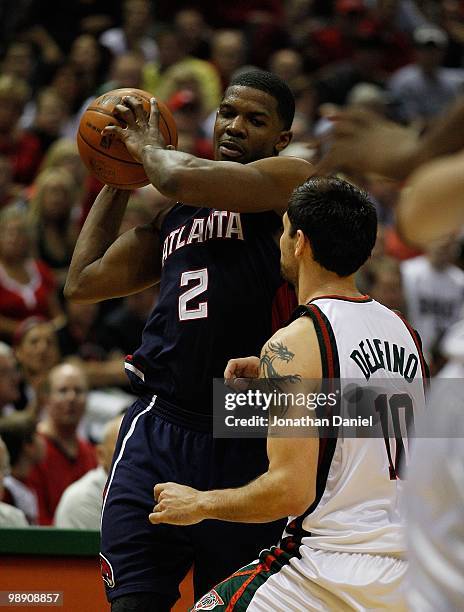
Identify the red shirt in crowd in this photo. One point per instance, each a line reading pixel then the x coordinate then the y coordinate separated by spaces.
pixel 19 301
pixel 25 155
pixel 56 472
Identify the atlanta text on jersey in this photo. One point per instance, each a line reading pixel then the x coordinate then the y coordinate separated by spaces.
pixel 219 224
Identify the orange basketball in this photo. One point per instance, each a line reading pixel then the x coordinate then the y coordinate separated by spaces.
pixel 106 157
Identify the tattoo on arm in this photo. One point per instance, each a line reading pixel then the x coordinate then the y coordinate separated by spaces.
pixel 275 381
pixel 277 351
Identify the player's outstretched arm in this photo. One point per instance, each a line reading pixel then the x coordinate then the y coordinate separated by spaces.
pixel 288 487
pixel 431 206
pixel 362 141
pixel 263 185
pixel 105 265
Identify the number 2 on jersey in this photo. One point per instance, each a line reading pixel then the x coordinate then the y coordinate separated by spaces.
pixel 186 312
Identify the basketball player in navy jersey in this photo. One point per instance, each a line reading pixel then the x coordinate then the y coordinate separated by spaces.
pixel 219 270
pixel 343 546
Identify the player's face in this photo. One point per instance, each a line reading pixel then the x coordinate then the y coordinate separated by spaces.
pixel 288 263
pixel 248 127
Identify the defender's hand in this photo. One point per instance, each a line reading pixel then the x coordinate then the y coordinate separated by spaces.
pixel 176 504
pixel 238 369
pixel 362 141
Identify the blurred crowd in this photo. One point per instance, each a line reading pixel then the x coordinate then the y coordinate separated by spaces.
pixel 62 383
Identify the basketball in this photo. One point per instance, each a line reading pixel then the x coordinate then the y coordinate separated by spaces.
pixel 106 157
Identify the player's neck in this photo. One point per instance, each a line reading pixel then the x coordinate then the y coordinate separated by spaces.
pixel 316 283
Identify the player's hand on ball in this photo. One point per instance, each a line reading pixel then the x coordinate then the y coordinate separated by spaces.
pixel 239 369
pixel 141 130
pixel 176 504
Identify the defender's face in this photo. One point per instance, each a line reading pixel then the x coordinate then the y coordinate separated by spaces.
pixel 288 263
pixel 247 126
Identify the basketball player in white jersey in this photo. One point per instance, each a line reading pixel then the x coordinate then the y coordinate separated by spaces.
pixel 343 547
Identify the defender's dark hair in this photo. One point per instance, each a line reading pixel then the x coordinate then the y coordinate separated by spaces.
pixel 338 219
pixel 273 85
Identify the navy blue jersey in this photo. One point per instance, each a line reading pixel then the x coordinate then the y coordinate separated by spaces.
pixel 220 275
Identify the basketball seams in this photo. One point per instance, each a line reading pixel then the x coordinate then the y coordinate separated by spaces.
pixel 167 128
pixel 96 109
pixel 105 154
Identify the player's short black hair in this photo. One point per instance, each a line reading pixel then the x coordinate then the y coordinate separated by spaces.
pixel 338 219
pixel 273 85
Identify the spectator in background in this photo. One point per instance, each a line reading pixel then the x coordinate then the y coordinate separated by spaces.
pixel 19 61
pixel 126 70
pixel 51 115
pixel 91 61
pixel 335 81
pixel 389 22
pixel 194 31
pixel 26 448
pixel 434 291
pixel 9 380
pixel 334 42
pixel 136 33
pixel 228 53
pixel 186 107
pixel 288 65
pixel 10 192
pixel 22 148
pixel 27 286
pixel 160 76
pixel 65 81
pixel 81 339
pixel 81 503
pixel 451 349
pixel 381 279
pixel 36 350
pixel 424 89
pixel 9 515
pixel 51 214
pixel 67 457
pixel 63 154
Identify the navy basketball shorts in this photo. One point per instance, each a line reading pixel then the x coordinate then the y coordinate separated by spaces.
pixel 158 444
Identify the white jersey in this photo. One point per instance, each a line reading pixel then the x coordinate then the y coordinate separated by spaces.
pixel 357 506
pixel 433 298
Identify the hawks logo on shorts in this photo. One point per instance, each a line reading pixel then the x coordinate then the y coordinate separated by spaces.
pixel 106 571
pixel 208 601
